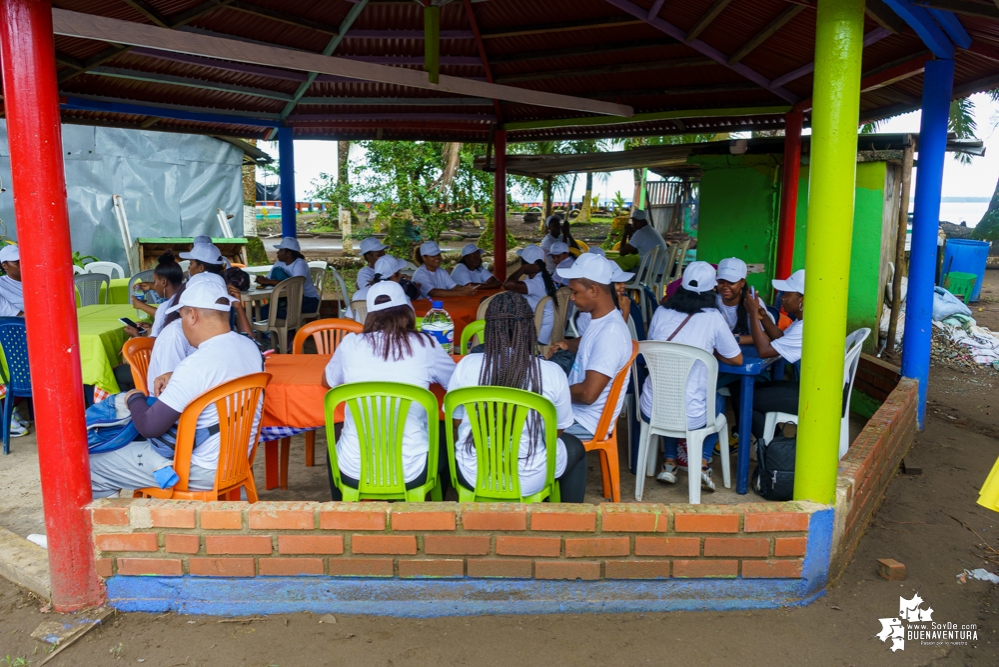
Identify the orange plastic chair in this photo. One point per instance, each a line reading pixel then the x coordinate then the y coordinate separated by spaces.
pixel 237 402
pixel 326 334
pixel 610 466
pixel 137 352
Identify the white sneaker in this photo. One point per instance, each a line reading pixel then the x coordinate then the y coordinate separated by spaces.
pixel 17 430
pixel 706 482
pixel 667 474
pixel 17 418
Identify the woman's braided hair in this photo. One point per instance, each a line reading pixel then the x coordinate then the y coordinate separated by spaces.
pixel 551 289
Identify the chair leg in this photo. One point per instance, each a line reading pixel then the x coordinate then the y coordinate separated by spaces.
pixel 251 488
pixel 695 444
pixel 614 467
pixel 768 429
pixel 8 413
pixel 653 456
pixel 604 473
pixel 310 449
pixel 285 454
pixel 271 464
pixel 726 457
pixel 643 453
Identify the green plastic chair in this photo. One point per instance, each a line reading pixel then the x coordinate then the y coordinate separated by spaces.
pixel 960 284
pixel 379 411
pixel 471 329
pixel 497 416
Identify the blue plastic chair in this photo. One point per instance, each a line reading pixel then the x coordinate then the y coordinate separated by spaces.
pixel 17 375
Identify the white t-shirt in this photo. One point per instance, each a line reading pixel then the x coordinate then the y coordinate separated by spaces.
pixel 789 345
pixel 12 291
pixel 535 293
pixel 365 276
pixel 645 239
pixel 729 313
pixel 604 348
pixel 171 348
pixel 546 243
pixel 462 275
pixel 564 264
pixel 706 330
pixel 298 268
pixel 554 387
pixel 439 279
pixel 7 309
pixel 216 361
pixel 160 316
pixel 355 360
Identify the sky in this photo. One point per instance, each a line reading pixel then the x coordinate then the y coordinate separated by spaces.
pixel 975 180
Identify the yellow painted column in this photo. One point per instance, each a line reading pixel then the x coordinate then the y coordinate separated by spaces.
pixel 839 35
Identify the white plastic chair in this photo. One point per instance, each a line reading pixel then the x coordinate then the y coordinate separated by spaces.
pixel 290 290
pixel 359 310
pixel 644 276
pixel 110 269
pixel 670 365
pixel 90 287
pixel 343 301
pixel 78 270
pixel 854 345
pixel 318 264
pixel 185 266
pixel 632 403
pixel 318 278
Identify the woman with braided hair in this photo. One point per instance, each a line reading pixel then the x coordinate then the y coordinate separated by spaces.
pixel 537 285
pixel 510 359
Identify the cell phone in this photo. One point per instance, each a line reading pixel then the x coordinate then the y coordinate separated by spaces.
pixel 129 323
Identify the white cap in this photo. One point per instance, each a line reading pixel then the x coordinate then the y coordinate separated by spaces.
pixel 597 250
pixel 205 253
pixel 289 243
pixel 393 290
pixel 619 275
pixel 639 214
pixel 387 266
pixel 794 283
pixel 210 277
pixel 10 253
pixel 732 269
pixel 469 249
pixel 699 277
pixel 549 219
pixel 558 248
pixel 591 267
pixel 429 249
pixel 203 238
pixel 203 294
pixel 371 244
pixel 531 254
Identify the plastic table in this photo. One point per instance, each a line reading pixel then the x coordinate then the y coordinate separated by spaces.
pixel 752 366
pixel 101 339
pixel 462 309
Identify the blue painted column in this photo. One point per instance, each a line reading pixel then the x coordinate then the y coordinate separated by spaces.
pixel 938 82
pixel 286 157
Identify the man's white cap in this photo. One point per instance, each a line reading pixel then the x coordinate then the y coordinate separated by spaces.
pixel 203 294
pixel 469 249
pixel 794 283
pixel 639 214
pixel 207 276
pixel 699 277
pixel 386 266
pixel 289 243
pixel 619 275
pixel 205 253
pixel 371 244
pixel 559 247
pixel 429 249
pixel 591 267
pixel 531 254
pixel 393 290
pixel 203 238
pixel 732 269
pixel 549 219
pixel 597 250
pixel 10 253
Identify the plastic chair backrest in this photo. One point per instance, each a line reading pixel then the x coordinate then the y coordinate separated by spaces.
pixel 643 269
pixel 137 352
pixel 854 346
pixel 237 402
pixel 676 270
pixel 379 411
pixel 669 367
pixel 480 314
pixel 140 277
pixel 539 314
pixel 185 266
pixel 326 334
pixel 498 416
pixel 607 418
pixel 360 310
pixel 89 286
pixel 318 278
pixel 291 290
pixel 78 270
pixel 110 269
pixel 471 329
pixel 318 264
pixel 344 299
pixel 14 342
pixel 561 314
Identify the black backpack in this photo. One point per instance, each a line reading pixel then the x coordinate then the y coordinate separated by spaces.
pixel 773 477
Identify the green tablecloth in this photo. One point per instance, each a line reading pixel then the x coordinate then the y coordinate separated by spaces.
pixel 101 339
pixel 119 293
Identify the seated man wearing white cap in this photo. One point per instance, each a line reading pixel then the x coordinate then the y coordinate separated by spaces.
pixel 625 305
pixel 435 282
pixel 221 356
pixel 560 258
pixel 601 352
pixel 638 239
pixel 291 263
pixel 691 317
pixel 537 284
pixel 11 294
pixel 371 250
pixel 471 271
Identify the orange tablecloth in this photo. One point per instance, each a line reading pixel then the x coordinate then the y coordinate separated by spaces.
pixel 462 309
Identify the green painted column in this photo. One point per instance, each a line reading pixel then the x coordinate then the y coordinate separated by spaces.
pixel 839 39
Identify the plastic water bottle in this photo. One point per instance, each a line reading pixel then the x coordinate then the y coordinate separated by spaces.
pixel 439 324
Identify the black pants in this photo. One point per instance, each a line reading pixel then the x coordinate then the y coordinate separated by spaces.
pixel 776 396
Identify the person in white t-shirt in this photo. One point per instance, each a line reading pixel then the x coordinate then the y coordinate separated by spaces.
pixel 371 250
pixel 168 278
pixel 171 348
pixel 471 271
pixel 732 287
pixel 554 226
pixel 221 355
pixel 602 351
pixel 390 349
pixel 433 281
pixel 11 292
pixel 290 264
pixel 386 268
pixel 639 238
pixel 560 259
pixel 538 284
pixel 690 317
pixel 510 360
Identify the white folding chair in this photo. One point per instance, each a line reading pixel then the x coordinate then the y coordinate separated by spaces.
pixel 110 269
pixel 670 364
pixel 318 278
pixel 343 301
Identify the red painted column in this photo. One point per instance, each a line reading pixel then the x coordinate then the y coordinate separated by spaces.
pixel 31 104
pixel 499 209
pixel 789 193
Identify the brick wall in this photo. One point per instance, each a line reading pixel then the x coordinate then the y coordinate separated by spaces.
pixel 447 540
pixel 875 377
pixel 872 462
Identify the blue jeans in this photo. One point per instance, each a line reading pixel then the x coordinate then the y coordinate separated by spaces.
pixel 670 445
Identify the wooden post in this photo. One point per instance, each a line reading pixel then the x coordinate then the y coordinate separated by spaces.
pixel 903 228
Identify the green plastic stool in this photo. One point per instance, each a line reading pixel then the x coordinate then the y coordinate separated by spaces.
pixel 960 284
